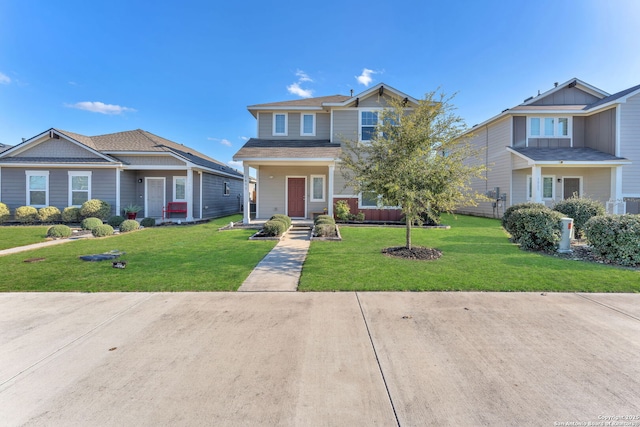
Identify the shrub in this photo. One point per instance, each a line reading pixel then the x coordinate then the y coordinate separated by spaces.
pixel 148 222
pixel 90 223
pixel 359 216
pixel 5 213
pixel 615 237
pixel 536 228
pixel 115 220
pixel 102 230
pixel 342 210
pixel 95 208
pixel 26 214
pixel 325 230
pixel 283 218
pixel 507 214
pixel 581 209
pixel 325 218
pixel 71 214
pixel 274 227
pixel 49 214
pixel 59 231
pixel 129 225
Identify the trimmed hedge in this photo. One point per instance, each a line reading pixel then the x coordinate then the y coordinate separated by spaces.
pixel 615 237
pixel 581 209
pixel 274 227
pixel 536 228
pixel 283 218
pixel 90 223
pixel 59 231
pixel 325 230
pixel 129 225
pixel 95 208
pixel 5 213
pixel 115 220
pixel 148 222
pixel 328 218
pixel 26 214
pixel 102 230
pixel 49 214
pixel 510 210
pixel 71 214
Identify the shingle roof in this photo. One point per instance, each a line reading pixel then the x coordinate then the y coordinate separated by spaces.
pixel 566 154
pixel 612 97
pixel 305 102
pixel 289 149
pixel 54 160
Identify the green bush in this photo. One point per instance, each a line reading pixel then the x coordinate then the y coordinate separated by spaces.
pixel 325 217
pixel 102 230
pixel 274 227
pixel 71 215
pixel 115 220
pixel 507 214
pixel 283 218
pixel 26 214
pixel 536 228
pixel 342 210
pixel 360 216
pixel 59 231
pixel 5 213
pixel 615 237
pixel 90 223
pixel 49 214
pixel 325 230
pixel 325 221
pixel 95 208
pixel 129 225
pixel 581 209
pixel 148 222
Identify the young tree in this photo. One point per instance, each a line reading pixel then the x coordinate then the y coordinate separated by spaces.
pixel 416 160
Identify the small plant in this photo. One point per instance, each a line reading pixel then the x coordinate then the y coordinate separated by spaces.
pixel 115 220
pixel 71 214
pixel 5 213
pixel 148 222
pixel 26 214
pixel 581 209
pixel 131 208
pixel 615 237
pixel 129 225
pixel 95 208
pixel 359 216
pixel 59 231
pixel 90 223
pixel 325 230
pixel 49 214
pixel 283 218
pixel 274 227
pixel 342 210
pixel 323 218
pixel 102 230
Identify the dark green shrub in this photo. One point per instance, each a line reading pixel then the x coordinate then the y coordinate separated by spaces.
pixel 342 210
pixel 148 222
pixel 129 225
pixel 581 209
pixel 5 213
pixel 325 230
pixel 102 230
pixel 49 214
pixel 325 218
pixel 536 228
pixel 359 216
pixel 90 223
pixel 283 218
pixel 95 208
pixel 274 227
pixel 71 215
pixel 507 214
pixel 615 237
pixel 58 231
pixel 26 214
pixel 115 220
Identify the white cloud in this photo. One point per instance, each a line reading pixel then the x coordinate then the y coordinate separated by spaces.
pixel 235 164
pixel 295 89
pixel 100 107
pixel 244 138
pixel 365 78
pixel 225 142
pixel 303 77
pixel 4 79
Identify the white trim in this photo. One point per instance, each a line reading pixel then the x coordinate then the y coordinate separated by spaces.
pixel 247 203
pixel 324 188
pixel 361 110
pixel 585 87
pixel 30 173
pixel 286 194
pixel 539 186
pixel 617 136
pixel 118 184
pixel 556 126
pixel 200 192
pixel 331 127
pixel 580 190
pixel 369 91
pixel 146 193
pixel 71 174
pixel 286 124
pixel 313 124
pixel 330 185
pixel 189 195
pixel 174 184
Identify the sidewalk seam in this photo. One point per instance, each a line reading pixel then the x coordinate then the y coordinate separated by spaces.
pixel 608 306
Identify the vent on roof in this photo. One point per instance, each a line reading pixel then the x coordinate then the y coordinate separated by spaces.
pixel 528 99
pixel 572 84
pixel 506 109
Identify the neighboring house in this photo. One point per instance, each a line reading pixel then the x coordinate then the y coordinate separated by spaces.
pixel 297 149
pixel 60 168
pixel 572 139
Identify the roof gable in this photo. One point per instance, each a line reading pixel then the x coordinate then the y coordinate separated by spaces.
pixel 571 92
pixel 379 92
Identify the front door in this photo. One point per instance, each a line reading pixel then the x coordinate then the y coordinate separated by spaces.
pixel 296 197
pixel 154 201
pixel 571 186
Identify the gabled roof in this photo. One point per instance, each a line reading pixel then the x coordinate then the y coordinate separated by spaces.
pixel 574 82
pixel 566 155
pixel 266 149
pixel 380 87
pixel 615 97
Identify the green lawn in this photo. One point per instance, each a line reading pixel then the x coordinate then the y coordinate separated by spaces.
pixel 477 256
pixel 178 258
pixel 10 237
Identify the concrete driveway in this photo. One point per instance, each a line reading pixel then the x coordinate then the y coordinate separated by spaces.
pixel 343 359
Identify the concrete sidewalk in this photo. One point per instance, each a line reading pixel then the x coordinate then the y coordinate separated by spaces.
pixel 291 359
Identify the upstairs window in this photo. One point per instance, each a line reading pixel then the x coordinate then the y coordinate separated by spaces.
pixel 368 123
pixel 308 125
pixel 37 188
pixel 79 188
pixel 280 124
pixel 549 127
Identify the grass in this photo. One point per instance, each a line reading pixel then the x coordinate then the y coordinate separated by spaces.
pixel 477 256
pixel 10 237
pixel 179 258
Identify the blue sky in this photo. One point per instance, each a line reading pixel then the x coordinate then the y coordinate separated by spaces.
pixel 187 70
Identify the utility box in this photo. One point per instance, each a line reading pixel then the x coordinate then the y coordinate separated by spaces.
pixel 567 236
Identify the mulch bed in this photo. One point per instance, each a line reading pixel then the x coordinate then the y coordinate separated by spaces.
pixel 418 253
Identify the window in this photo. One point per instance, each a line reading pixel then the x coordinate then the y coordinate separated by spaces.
pixel 179 188
pixel 317 188
pixel 548 188
pixel 549 127
pixel 368 200
pixel 227 189
pixel 280 124
pixel 308 125
pixel 368 123
pixel 37 188
pixel 79 188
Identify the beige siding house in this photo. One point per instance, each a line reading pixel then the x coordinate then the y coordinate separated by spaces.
pixel 572 139
pixel 297 149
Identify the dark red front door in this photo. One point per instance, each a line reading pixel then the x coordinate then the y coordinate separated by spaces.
pixel 295 197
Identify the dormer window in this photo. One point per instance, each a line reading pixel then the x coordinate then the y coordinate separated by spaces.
pixel 280 124
pixel 549 127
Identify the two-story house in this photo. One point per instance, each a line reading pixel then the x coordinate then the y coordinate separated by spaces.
pixel 572 139
pixel 297 149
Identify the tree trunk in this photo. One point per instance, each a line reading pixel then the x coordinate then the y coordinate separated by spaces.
pixel 409 221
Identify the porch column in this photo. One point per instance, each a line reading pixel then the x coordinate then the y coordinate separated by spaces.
pixel 616 189
pixel 118 170
pixel 330 190
pixel 200 193
pixel 189 195
pixel 536 183
pixel 246 199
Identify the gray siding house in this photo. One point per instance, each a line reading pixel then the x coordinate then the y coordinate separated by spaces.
pixel 572 139
pixel 60 168
pixel 297 148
